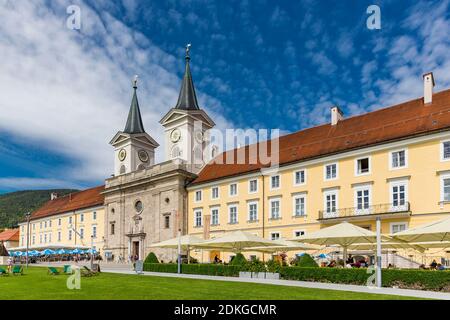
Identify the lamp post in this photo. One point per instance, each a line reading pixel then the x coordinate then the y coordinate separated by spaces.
pixel 28 216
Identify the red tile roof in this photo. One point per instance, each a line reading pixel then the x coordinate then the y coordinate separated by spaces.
pixel 10 235
pixel 398 122
pixel 74 201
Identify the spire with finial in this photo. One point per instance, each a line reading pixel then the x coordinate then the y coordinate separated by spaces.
pixel 187 100
pixel 134 121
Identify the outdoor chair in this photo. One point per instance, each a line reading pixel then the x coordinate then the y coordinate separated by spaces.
pixel 53 271
pixel 86 272
pixel 67 269
pixel 3 272
pixel 17 270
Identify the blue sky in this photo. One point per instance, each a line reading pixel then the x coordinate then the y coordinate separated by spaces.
pixel 256 64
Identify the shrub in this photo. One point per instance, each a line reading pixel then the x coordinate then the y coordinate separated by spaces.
pixel 151 258
pixel 273 266
pixel 254 265
pixel 306 261
pixel 161 267
pixel 238 260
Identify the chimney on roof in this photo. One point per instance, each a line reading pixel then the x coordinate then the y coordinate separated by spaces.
pixel 428 85
pixel 336 115
pixel 53 196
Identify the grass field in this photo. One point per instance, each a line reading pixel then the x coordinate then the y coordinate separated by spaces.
pixel 37 284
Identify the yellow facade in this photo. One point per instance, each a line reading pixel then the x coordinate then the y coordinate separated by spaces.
pixel 419 181
pixel 58 230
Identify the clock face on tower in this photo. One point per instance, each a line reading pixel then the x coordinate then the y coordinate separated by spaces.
pixel 143 155
pixel 175 135
pixel 122 154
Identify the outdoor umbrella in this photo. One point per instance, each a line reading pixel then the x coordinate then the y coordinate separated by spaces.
pixel 77 251
pixel 236 241
pixel 33 253
pixel 283 246
pixel 434 231
pixel 186 243
pixel 47 252
pixel 63 251
pixel 343 234
pixel 388 245
pixel 91 251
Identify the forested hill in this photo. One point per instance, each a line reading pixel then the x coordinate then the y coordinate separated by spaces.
pixel 14 205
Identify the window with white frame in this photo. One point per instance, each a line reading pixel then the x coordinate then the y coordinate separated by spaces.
pixel 70 220
pixel 274 236
pixel 233 189
pixel 50 237
pixel 299 204
pixel 82 217
pixel 45 238
pixel 299 233
pixel 445 188
pixel 399 195
pixel 33 240
pixel 398 227
pixel 198 195
pixel 252 211
pixel 275 182
pixel 45 224
pixel 40 238
pixel 398 159
pixel 214 216
pixel 59 222
pixel 94 232
pixel 445 151
pixel 59 236
pixel 232 214
pixel 81 233
pixel 197 218
pixel 331 204
pixel 299 177
pixel 362 199
pixel 94 215
pixel 69 235
pixel 275 209
pixel 331 171
pixel 50 223
pixel 363 166
pixel 253 186
pixel 215 193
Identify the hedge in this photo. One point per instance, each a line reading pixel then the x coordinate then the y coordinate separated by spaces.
pixel 151 258
pixel 405 279
pixel 203 269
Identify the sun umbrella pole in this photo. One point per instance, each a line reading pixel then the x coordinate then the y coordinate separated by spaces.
pixel 344 254
pixel 179 251
pixel 378 270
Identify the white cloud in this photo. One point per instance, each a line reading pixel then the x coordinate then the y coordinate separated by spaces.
pixel 69 91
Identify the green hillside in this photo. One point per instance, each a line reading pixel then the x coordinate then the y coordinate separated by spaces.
pixel 14 205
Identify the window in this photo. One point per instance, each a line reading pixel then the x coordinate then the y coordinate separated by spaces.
pixel 198 195
pixel 33 241
pixel 299 177
pixel 81 233
pixel 399 196
pixel 362 200
pixel 252 211
pixel 215 193
pixel 113 228
pixel 233 214
pixel 40 238
pixel 398 159
pixel 233 189
pixel 50 223
pixel 274 236
pixel 138 206
pixel 331 204
pixel 22 228
pixel 59 222
pixel 198 218
pixel 94 232
pixel 253 186
pixel 331 171
pixel 299 233
pixel 215 216
pixel 94 215
pixel 45 224
pixel 445 151
pixel 70 220
pixel 362 166
pixel 398 227
pixel 45 238
pixel 275 209
pixel 59 236
pixel 445 188
pixel 299 206
pixel 82 217
pixel 34 226
pixel 167 222
pixel 70 235
pixel 49 237
pixel 274 182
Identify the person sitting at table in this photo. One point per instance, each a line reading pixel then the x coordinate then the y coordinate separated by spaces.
pixel 350 260
pixel 216 259
pixel 433 265
pixel 332 264
pixel 440 267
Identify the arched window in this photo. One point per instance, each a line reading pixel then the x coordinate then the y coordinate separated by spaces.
pixel 175 152
pixel 123 169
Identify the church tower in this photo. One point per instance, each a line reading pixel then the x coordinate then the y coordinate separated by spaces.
pixel 186 126
pixel 134 149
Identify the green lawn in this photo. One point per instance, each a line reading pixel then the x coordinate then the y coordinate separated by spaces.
pixel 36 284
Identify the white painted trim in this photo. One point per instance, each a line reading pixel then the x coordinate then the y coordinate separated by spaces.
pixel 216 207
pixel 195 218
pixel 390 158
pixel 395 183
pixel 442 178
pixel 229 213
pixel 271 188
pixel 249 203
pixel 257 186
pixel 275 232
pixel 330 192
pixel 441 147
pixel 212 193
pixel 300 230
pixel 294 198
pixel 325 171
pixel 391 224
pixel 278 198
pixel 357 174
pixel 362 188
pixel 237 189
pixel 195 196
